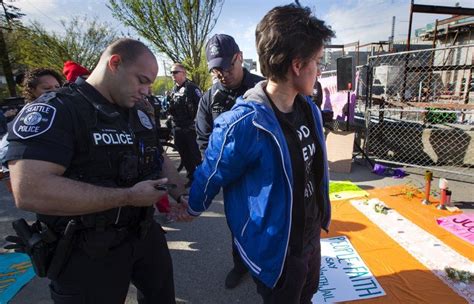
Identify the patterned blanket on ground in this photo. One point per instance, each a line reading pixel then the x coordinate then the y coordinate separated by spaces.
pixel 404 247
pixel 15 271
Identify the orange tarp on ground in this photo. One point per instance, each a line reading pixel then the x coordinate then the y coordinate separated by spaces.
pixel 423 216
pixel 404 279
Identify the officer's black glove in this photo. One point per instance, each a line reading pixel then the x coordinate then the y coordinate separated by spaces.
pixel 16 243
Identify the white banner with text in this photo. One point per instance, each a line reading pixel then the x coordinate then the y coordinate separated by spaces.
pixel 344 275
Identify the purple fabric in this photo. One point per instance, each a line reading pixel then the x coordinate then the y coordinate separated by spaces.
pixel 379 169
pixel 399 173
pixel 386 171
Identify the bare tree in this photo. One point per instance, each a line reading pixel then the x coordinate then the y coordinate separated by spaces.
pixel 177 28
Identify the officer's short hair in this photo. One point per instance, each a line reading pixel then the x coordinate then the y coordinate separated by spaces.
pixel 179 66
pixel 128 49
pixel 285 33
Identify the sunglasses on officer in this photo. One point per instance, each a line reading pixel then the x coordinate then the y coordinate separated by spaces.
pixel 219 73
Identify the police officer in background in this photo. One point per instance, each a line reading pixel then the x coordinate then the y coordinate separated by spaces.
pixel 224 60
pixel 87 162
pixel 183 106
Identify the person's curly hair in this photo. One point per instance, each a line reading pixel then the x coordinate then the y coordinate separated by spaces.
pixel 31 81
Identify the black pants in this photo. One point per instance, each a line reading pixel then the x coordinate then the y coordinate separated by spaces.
pixel 185 141
pixel 146 263
pixel 299 280
pixel 238 263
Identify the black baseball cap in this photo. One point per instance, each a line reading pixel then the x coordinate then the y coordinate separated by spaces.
pixel 219 51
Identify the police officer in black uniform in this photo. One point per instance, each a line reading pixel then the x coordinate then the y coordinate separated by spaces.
pixel 87 162
pixel 183 106
pixel 224 60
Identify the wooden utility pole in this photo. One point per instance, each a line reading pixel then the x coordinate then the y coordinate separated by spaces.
pixel 4 58
pixel 7 67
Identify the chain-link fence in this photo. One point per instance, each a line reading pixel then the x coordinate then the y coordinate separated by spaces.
pixel 419 109
pixel 439 75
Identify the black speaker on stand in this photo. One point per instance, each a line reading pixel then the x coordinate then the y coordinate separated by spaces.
pixel 345 81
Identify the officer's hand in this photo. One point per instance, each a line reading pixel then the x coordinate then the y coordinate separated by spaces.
pixel 16 243
pixel 145 194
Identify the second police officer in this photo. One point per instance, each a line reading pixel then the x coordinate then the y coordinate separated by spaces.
pixel 224 60
pixel 183 106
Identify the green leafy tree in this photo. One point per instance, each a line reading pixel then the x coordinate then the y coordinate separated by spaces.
pixel 161 85
pixel 177 28
pixel 83 41
pixel 9 17
pixel 202 70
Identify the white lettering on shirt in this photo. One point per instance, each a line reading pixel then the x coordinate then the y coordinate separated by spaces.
pixel 102 138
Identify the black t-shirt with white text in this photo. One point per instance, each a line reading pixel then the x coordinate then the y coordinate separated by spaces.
pixel 303 147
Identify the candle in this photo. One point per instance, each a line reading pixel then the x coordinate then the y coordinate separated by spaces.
pixel 448 198
pixel 443 183
pixel 428 179
pixel 442 203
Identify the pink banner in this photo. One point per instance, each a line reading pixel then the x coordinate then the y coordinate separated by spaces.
pixel 335 100
pixel 461 225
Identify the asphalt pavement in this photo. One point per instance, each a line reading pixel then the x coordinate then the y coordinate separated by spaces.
pixel 201 250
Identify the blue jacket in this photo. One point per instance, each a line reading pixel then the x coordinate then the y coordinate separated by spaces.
pixel 248 156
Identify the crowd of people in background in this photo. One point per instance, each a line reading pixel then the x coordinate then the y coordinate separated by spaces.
pixel 260 140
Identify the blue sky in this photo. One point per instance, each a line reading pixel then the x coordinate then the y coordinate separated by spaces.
pixel 353 20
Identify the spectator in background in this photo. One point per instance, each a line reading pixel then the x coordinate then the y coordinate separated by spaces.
pixel 72 70
pixel 39 81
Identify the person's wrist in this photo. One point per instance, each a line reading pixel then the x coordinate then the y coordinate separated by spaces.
pixel 126 197
pixel 179 200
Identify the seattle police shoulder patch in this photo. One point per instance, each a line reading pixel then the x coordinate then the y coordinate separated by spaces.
pixel 33 120
pixel 198 92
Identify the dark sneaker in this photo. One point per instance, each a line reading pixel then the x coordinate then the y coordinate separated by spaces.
pixel 233 278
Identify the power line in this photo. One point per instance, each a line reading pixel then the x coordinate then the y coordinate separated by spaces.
pixel 42 13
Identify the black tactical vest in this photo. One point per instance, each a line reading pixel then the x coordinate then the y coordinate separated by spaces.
pixel 113 148
pixel 222 100
pixel 181 106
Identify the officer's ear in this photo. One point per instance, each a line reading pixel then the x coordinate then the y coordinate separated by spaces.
pixel 114 62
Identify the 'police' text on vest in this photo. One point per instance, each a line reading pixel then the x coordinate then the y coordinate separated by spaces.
pixel 111 138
